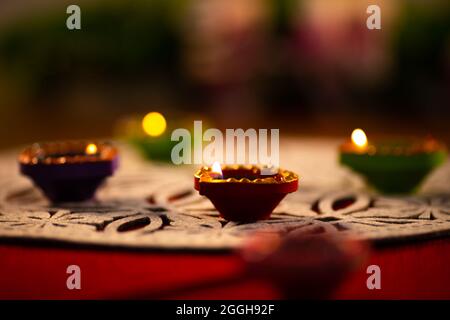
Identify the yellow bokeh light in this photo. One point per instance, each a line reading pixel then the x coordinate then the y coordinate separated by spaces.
pixel 91 148
pixel 359 138
pixel 154 124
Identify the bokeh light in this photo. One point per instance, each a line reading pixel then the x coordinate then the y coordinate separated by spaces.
pixel 154 124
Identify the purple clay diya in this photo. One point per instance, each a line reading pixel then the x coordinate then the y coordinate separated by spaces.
pixel 69 171
pixel 242 193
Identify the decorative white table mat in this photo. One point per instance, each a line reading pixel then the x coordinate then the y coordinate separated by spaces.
pixel 155 206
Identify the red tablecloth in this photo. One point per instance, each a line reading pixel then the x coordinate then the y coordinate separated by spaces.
pixel 409 271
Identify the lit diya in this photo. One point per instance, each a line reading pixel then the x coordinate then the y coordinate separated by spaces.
pixel 153 140
pixel 242 193
pixel 151 136
pixel 394 165
pixel 68 171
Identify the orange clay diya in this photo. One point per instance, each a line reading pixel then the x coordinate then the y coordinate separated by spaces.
pixel 242 193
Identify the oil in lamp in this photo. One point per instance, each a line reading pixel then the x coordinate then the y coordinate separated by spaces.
pixel 392 165
pixel 241 192
pixel 71 170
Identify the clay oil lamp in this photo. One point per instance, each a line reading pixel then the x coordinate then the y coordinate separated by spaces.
pixel 151 135
pixel 297 266
pixel 393 166
pixel 242 193
pixel 69 171
pixel 151 138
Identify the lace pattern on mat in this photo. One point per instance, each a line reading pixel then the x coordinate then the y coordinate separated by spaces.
pixel 155 206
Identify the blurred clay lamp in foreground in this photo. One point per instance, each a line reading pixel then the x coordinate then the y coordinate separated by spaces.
pixel 302 266
pixel 69 171
pixel 242 193
pixel 392 165
pixel 298 266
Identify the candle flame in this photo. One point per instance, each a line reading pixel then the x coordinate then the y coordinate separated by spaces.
pixel 91 149
pixel 216 168
pixel 359 138
pixel 154 124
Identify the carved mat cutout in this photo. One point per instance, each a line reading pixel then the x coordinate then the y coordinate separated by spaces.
pixel 155 206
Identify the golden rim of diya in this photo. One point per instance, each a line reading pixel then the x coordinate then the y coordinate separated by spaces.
pixel 205 174
pixel 400 147
pixel 65 152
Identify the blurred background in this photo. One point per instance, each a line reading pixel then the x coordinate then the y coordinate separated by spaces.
pixel 308 67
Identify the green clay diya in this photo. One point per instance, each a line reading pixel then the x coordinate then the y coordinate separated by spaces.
pixel 151 135
pixel 152 140
pixel 393 166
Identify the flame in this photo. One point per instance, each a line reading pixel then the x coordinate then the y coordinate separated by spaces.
pixel 154 124
pixel 359 138
pixel 91 149
pixel 216 168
